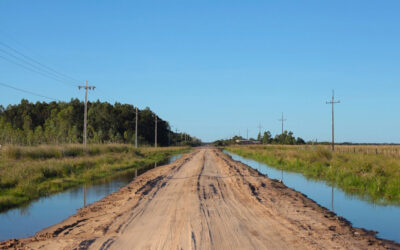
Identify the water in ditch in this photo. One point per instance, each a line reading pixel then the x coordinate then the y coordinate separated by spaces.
pixel 44 212
pixel 385 219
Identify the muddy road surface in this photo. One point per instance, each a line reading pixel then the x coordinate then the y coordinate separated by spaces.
pixel 204 200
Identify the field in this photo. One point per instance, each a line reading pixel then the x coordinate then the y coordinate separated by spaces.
pixel 27 173
pixel 372 172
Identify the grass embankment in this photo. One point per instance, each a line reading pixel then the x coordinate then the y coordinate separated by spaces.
pixel 375 177
pixel 27 173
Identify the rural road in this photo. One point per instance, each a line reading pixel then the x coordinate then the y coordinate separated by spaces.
pixel 204 200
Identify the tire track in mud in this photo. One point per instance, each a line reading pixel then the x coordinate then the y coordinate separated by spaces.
pixel 202 205
pixel 151 188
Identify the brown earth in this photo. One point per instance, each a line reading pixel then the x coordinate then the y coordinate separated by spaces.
pixel 204 200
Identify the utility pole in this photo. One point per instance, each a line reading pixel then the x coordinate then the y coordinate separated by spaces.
pixel 282 120
pixel 86 87
pixel 176 136
pixel 247 133
pixel 259 130
pixel 169 135
pixel 136 128
pixel 333 102
pixel 155 132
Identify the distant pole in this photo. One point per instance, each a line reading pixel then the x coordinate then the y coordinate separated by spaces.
pixel 155 132
pixel 176 136
pixel 333 102
pixel 247 132
pixel 169 136
pixel 282 120
pixel 136 128
pixel 259 130
pixel 86 87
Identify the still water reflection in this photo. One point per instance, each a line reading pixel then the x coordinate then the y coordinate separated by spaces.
pixel 381 218
pixel 26 221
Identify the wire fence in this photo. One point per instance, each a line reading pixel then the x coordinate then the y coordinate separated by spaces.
pixel 386 150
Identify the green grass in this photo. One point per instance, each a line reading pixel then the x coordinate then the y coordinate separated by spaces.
pixel 375 177
pixel 27 173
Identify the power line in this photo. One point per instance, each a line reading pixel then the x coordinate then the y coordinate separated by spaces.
pixel 24 63
pixel 33 70
pixel 39 63
pixel 31 64
pixel 27 91
pixel 40 68
pixel 36 64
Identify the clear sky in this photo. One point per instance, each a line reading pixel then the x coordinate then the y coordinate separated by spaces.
pixel 216 68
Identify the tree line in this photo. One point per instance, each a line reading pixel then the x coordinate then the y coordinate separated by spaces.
pixel 286 138
pixel 29 123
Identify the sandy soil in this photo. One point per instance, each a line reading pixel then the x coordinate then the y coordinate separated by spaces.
pixel 204 200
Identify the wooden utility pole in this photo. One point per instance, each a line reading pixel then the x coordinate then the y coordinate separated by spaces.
pixel 86 87
pixel 333 102
pixel 282 120
pixel 136 128
pixel 169 137
pixel 259 130
pixel 155 131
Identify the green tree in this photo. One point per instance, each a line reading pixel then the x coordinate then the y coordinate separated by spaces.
pixel 62 122
pixel 267 138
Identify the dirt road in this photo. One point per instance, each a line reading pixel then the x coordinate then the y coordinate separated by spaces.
pixel 204 200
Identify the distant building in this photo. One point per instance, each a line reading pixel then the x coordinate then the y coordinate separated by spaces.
pixel 246 142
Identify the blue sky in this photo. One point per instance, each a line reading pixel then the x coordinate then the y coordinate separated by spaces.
pixel 217 68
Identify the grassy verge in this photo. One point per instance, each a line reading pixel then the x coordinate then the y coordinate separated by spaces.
pixel 27 173
pixel 373 176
